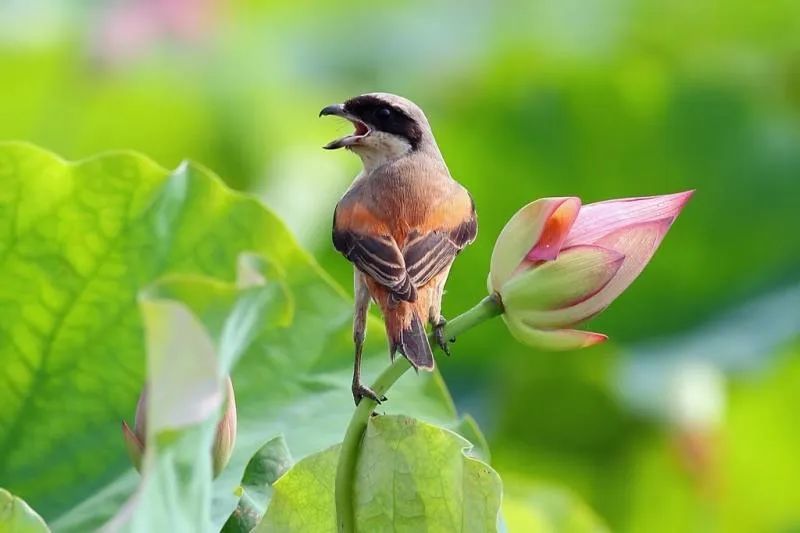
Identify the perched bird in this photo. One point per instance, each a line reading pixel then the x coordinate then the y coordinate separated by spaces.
pixel 401 223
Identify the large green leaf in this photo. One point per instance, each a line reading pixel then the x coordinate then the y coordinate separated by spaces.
pixel 16 516
pixel 77 243
pixel 410 476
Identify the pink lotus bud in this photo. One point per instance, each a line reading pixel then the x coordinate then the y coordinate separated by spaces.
pixel 223 443
pixel 558 263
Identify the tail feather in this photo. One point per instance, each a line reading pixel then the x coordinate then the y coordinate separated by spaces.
pixel 412 342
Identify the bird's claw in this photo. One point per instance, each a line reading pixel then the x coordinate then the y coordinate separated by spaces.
pixel 438 334
pixel 362 391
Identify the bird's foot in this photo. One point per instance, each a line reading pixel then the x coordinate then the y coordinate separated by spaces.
pixel 438 334
pixel 362 391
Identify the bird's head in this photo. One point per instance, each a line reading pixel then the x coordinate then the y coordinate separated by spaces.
pixel 386 127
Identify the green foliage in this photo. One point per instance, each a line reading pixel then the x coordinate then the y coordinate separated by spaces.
pixel 79 241
pixel 303 498
pixel 16 516
pixel 527 99
pixel 186 372
pixel 410 476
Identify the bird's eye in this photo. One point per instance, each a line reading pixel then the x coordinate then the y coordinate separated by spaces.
pixel 383 113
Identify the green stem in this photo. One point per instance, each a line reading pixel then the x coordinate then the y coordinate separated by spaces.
pixel 346 468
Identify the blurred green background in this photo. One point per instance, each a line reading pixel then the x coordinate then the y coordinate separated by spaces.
pixel 687 419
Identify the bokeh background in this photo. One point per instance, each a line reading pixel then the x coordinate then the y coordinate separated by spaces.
pixel 687 420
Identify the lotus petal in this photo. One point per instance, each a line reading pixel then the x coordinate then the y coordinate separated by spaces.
pixel 555 232
pixel 597 220
pixel 554 340
pixel 521 234
pixel 638 243
pixel 579 273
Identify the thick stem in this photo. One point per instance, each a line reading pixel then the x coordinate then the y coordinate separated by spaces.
pixel 345 470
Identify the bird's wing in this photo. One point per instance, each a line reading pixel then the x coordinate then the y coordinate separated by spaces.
pixel 379 257
pixel 427 254
pixel 367 242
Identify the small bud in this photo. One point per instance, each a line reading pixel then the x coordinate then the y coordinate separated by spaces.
pixel 226 431
pixel 558 263
pixel 224 439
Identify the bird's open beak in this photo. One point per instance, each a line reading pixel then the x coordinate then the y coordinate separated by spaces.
pixel 362 130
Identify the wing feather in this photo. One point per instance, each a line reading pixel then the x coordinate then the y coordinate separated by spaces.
pixel 427 255
pixel 378 257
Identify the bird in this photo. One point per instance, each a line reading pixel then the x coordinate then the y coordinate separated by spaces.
pixel 402 222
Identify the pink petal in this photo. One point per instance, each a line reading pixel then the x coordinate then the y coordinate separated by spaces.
pixel 553 340
pixel 638 243
pixel 520 235
pixel 600 219
pixel 579 273
pixel 555 231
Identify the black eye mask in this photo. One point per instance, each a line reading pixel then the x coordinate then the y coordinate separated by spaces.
pixel 385 117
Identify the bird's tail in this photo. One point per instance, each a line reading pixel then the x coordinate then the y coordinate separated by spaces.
pixel 407 336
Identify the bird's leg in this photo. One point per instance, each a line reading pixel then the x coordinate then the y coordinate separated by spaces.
pixel 437 321
pixel 359 389
pixel 359 333
pixel 438 334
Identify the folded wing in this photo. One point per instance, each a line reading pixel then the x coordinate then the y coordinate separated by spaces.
pixel 426 252
pixel 378 257
pixel 427 255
